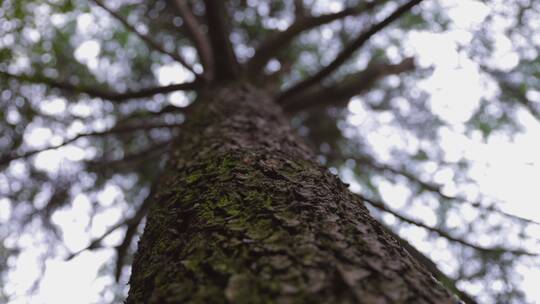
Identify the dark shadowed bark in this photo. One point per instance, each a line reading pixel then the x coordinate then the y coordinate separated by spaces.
pixel 245 215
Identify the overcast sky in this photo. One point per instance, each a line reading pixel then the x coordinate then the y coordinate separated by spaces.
pixel 505 168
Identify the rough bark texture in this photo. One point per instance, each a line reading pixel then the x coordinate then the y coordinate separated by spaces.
pixel 245 215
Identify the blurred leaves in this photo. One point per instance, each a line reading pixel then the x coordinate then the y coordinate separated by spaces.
pixel 387 139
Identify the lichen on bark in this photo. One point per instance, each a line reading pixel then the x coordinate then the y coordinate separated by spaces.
pixel 245 215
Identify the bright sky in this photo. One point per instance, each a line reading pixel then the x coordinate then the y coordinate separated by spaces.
pixel 507 169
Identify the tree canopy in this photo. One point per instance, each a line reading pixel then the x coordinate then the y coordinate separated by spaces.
pixel 92 94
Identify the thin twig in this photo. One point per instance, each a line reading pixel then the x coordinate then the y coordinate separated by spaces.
pixel 134 220
pixel 145 114
pixel 133 224
pixel 143 154
pixel 97 242
pixel 436 189
pixel 383 207
pixel 8 158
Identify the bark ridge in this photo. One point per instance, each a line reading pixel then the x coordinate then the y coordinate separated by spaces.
pixel 245 215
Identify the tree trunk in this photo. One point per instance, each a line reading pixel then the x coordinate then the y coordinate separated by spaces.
pixel 245 215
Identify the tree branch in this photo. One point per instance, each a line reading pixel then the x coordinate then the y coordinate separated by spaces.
pixel 299 9
pixel 8 158
pixel 152 91
pixel 97 242
pixel 338 93
pixel 521 97
pixel 149 41
pixel 349 50
pixel 447 281
pixel 129 222
pixel 97 93
pixel 143 115
pixel 133 224
pixel 436 189
pixel 271 46
pixel 225 62
pixel 129 158
pixel 199 38
pixel 497 250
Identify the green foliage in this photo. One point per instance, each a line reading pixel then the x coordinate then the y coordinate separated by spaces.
pixel 39 40
pixel 414 21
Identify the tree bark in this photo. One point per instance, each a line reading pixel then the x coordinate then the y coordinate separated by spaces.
pixel 244 214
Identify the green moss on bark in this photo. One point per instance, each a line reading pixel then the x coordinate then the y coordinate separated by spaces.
pixel 244 215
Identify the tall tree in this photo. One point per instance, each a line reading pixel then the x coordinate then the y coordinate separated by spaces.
pixel 240 208
pixel 244 214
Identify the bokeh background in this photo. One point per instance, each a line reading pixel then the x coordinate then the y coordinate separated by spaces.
pixel 453 144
